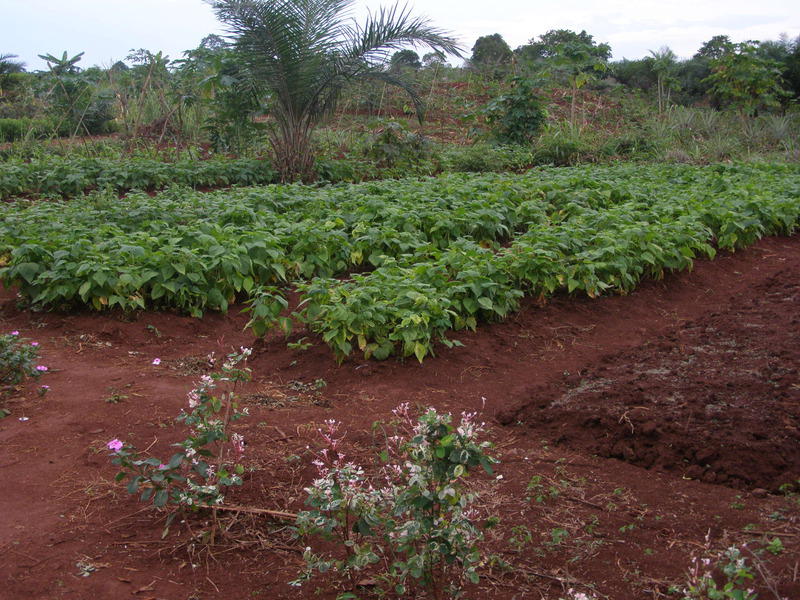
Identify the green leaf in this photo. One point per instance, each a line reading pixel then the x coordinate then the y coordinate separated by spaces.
pixel 161 498
pixel 420 350
pixel 486 303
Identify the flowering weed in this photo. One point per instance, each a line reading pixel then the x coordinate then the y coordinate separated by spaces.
pixel 205 463
pixel 18 357
pixel 414 521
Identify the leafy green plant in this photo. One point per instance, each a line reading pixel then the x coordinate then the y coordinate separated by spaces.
pixel 734 571
pixel 745 78
pixel 415 527
pixel 204 466
pixel 393 144
pixel 517 116
pixel 391 267
pixel 482 158
pixel 18 358
pixel 58 177
pixel 775 546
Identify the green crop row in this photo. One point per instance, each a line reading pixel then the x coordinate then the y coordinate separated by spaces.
pixel 58 177
pixel 193 251
pixel 389 267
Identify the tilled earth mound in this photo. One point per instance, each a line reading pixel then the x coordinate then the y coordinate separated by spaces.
pixel 714 399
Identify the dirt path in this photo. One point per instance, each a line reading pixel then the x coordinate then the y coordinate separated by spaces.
pixel 650 420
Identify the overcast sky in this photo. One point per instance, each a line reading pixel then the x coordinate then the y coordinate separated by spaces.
pixel 107 29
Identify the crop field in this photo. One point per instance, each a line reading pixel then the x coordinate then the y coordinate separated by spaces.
pixel 627 333
pixel 435 256
pixel 339 304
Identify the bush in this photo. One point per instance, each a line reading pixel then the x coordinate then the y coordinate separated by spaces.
pixel 518 116
pixel 17 362
pixel 483 158
pixel 560 146
pixel 415 518
pixel 12 130
pixel 393 144
pixel 629 146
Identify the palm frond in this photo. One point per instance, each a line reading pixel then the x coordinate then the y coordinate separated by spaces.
pixel 305 51
pixel 392 28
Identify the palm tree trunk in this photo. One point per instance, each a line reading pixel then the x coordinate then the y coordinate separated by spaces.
pixel 293 154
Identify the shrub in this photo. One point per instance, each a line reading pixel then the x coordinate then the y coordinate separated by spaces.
pixel 518 116
pixel 393 144
pixel 482 158
pixel 12 130
pixel 729 566
pixel 18 357
pixel 560 146
pixel 198 473
pixel 414 521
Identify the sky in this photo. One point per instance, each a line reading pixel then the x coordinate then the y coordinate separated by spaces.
pixel 106 30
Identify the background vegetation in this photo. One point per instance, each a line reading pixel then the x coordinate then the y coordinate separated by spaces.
pixel 388 110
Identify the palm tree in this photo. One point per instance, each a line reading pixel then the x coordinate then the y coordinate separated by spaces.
pixel 9 68
pixel 665 66
pixel 303 52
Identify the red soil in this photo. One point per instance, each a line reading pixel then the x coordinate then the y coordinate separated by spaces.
pixel 653 420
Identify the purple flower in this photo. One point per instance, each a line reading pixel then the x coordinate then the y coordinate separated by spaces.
pixel 34 344
pixel 114 445
pixel 15 332
pixel 41 368
pixel 156 361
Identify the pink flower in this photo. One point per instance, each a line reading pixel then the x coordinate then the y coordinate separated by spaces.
pixel 41 368
pixel 162 467
pixel 15 332
pixel 34 344
pixel 156 361
pixel 237 441
pixel 114 445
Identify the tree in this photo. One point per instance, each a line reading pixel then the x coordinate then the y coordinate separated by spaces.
pixel 491 55
pixel 791 70
pixel 635 74
pixel 64 65
pixel 746 80
pixel 10 70
pixel 574 58
pixel 665 66
pixel 433 60
pixel 78 103
pixel 548 46
pixel 404 59
pixel 786 53
pixel 517 116
pixel 714 48
pixel 302 53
